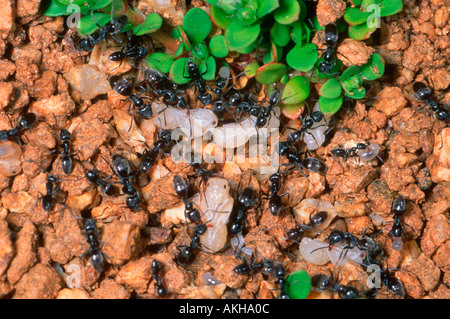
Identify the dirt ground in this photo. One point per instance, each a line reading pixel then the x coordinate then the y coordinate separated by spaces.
pixel 42 251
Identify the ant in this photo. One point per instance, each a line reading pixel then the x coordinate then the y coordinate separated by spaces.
pixel 66 155
pixel 250 268
pixel 396 232
pixel 310 163
pixel 274 184
pixel 323 282
pixel 156 270
pixel 134 52
pixel 23 124
pixel 196 76
pixel 266 112
pixel 164 87
pixel 296 233
pixel 91 233
pixel 307 124
pixel 122 168
pixel 143 109
pixel 245 201
pixel 423 93
pixel 181 189
pixel 363 151
pixel 113 27
pixel 149 156
pixel 93 176
pixel 186 254
pixel 328 60
pixel 280 280
pixel 51 188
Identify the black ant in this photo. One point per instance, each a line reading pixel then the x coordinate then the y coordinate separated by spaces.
pixel 328 60
pixel 156 271
pixel 423 93
pixel 280 280
pixel 245 201
pixel 93 176
pixel 310 163
pixel 122 168
pixel 196 76
pixel 149 156
pixel 307 124
pixel 97 257
pixel 250 268
pixel 23 124
pixel 113 27
pixel 275 203
pixel 396 232
pixel 51 189
pixel 134 52
pixel 186 254
pixel 181 188
pixel 351 152
pixel 266 111
pixel 164 87
pixel 143 109
pixel 66 155
pixel 323 282
pixel 296 233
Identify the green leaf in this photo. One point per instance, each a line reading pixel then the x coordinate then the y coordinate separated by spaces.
pixel 292 111
pixel 246 15
pixel 298 284
pixel 88 26
pixel 248 49
pixel 178 72
pixel 280 34
pixel 200 52
pixel 273 55
pixel 360 32
pixel 267 6
pixel 297 33
pixel 152 23
pixel 374 68
pixel 350 71
pixel 55 9
pixel 218 46
pixel 288 12
pixel 220 18
pixel 230 6
pixel 98 4
pixel 197 25
pixel 208 69
pixel 239 37
pixel 330 106
pixel 160 61
pixel 251 68
pixel 295 91
pixel 354 16
pixel 270 73
pixel 302 58
pixel 68 2
pixel 356 94
pixel 331 89
pixel 390 7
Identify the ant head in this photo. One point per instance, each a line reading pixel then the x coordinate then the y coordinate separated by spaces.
pixel 317 116
pixel 120 85
pixel 64 135
pixel 336 236
pixel 421 90
pixel 320 281
pixel 330 34
pixel 26 121
pixel 118 24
